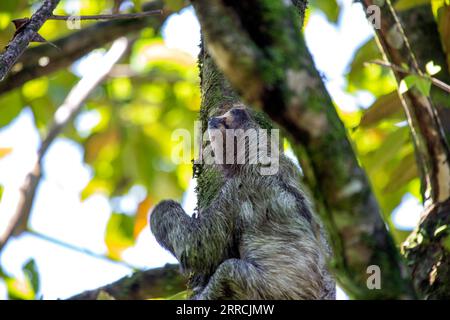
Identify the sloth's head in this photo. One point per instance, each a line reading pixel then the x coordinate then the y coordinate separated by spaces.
pixel 239 142
pixel 236 118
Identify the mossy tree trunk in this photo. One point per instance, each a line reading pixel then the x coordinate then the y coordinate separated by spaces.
pixel 260 49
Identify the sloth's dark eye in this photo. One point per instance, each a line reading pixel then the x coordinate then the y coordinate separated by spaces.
pixel 238 112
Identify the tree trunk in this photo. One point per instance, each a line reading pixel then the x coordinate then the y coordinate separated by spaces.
pixel 259 47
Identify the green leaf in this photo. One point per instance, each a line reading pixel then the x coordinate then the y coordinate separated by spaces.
pixel 18 289
pixel 403 173
pixel 424 86
pixel 12 6
pixel 407 83
pixel 119 234
pixel 31 272
pixel 1 192
pixel 388 149
pixel 409 4
pixel 420 83
pixel 96 185
pixel 330 8
pixel 370 77
pixel 174 5
pixel 388 106
pixel 11 104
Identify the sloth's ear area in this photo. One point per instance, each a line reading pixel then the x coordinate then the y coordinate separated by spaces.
pixel 240 114
pixel 216 122
pixel 238 118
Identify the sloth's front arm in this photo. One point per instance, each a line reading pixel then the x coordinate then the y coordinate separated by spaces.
pixel 199 243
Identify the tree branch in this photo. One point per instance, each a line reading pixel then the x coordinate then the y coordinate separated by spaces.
pixel 63 115
pixel 422 31
pixel 21 40
pixel 117 16
pixel 438 83
pixel 74 47
pixel 427 131
pixel 266 60
pixel 153 283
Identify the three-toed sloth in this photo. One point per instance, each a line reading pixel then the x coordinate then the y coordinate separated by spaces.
pixel 259 238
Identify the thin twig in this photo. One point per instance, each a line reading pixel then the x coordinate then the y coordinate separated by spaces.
pixel 73 247
pixel 118 16
pixel 62 117
pixel 76 45
pixel 20 42
pixel 438 83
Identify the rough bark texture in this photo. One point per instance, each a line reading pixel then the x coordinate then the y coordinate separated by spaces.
pixel 153 283
pixel 216 97
pixel 423 35
pixel 21 40
pixel 431 147
pixel 427 248
pixel 258 46
pixel 76 45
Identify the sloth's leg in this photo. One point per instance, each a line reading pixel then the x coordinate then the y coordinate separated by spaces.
pixel 234 279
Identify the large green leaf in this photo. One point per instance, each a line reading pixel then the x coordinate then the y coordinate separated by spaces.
pixel 403 173
pixel 388 149
pixel 10 107
pixel 409 4
pixel 330 8
pixel 388 106
pixel 31 272
pixel 371 77
pixel 12 6
pixel 119 234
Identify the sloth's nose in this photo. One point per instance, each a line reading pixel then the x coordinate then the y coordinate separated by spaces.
pixel 215 123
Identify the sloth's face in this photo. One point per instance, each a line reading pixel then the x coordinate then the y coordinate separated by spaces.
pixel 238 142
pixel 231 136
pixel 235 118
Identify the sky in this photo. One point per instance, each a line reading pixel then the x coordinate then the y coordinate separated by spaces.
pixel 58 212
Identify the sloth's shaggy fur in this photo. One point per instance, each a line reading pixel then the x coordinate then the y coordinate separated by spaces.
pixel 259 239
